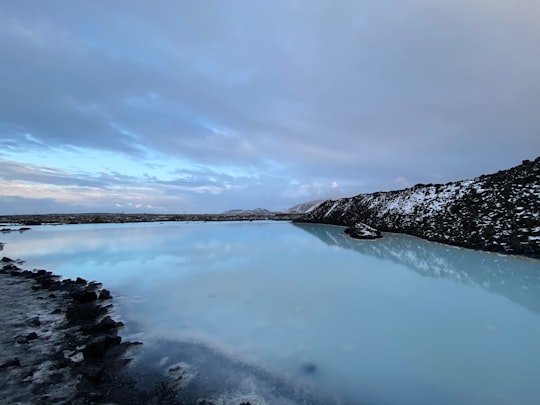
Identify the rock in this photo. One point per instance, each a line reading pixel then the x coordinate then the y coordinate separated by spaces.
pixel 362 231
pixel 14 362
pixel 31 336
pixel 105 295
pixel 35 321
pixel 97 347
pixel 497 212
pixel 80 281
pixel 106 324
pixel 84 296
pixel 86 312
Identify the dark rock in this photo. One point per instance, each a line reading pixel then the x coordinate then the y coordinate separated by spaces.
pixel 14 362
pixel 105 295
pixel 80 313
pixel 80 281
pixel 84 296
pixel 108 323
pixel 35 321
pixel 495 212
pixel 94 372
pixel 7 260
pixel 31 336
pixel 96 348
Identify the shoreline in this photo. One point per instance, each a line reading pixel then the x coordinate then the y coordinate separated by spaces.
pixel 59 344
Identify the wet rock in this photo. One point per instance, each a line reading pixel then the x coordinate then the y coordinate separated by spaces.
pixel 35 321
pixel 80 281
pixel 31 336
pixel 105 295
pixel 108 323
pixel 94 372
pixel 14 362
pixel 84 296
pixel 87 312
pixel 96 348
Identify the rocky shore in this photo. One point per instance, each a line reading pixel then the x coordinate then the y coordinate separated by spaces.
pixel 59 345
pixel 497 212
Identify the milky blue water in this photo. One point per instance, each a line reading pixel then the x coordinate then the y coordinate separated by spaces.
pixel 282 313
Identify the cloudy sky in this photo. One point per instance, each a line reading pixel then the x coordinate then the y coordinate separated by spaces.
pixel 205 106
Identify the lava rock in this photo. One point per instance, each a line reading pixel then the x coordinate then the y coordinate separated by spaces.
pixel 80 281
pixel 31 336
pixel 96 348
pixel 14 362
pixel 84 296
pixel 104 295
pixel 363 231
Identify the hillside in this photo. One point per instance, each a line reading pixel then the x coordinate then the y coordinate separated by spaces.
pixel 498 212
pixel 304 207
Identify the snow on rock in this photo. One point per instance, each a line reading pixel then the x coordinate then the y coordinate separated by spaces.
pixel 304 207
pixel 362 231
pixel 496 212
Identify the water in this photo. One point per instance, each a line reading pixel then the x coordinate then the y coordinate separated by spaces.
pixel 284 313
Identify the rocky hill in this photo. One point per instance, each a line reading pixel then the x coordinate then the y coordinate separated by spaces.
pixel 256 211
pixel 304 207
pixel 498 212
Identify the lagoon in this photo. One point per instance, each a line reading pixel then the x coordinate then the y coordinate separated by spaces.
pixel 274 312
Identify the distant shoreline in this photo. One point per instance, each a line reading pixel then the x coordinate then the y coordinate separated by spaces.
pixel 107 218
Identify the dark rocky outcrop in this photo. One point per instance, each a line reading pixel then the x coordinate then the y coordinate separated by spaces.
pixel 362 231
pixel 499 212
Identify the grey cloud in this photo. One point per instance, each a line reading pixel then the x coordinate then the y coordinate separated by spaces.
pixel 359 91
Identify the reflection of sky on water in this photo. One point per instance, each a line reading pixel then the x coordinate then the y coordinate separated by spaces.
pixel 274 295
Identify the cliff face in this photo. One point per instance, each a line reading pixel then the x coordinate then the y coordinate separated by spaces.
pixel 499 212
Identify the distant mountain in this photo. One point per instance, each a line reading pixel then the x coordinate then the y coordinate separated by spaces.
pixel 256 211
pixel 304 207
pixel 498 212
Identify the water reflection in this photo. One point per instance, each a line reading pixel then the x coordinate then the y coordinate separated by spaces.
pixel 345 315
pixel 515 278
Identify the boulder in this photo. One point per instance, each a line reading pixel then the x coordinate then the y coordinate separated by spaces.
pixel 363 231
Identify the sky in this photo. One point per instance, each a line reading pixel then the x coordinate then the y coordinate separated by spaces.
pixel 205 106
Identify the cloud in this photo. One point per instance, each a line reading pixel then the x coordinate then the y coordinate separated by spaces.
pixel 356 92
pixel 402 182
